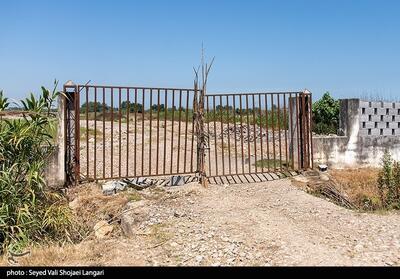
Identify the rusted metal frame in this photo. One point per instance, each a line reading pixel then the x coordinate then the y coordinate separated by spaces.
pixel 215 137
pixel 241 130
pixel 248 131
pixel 143 115
pixel 273 129
pixel 186 129
pixel 179 131
pixel 112 132
pixel 235 126
pixel 87 132
pixel 136 87
pixel 151 129
pixel 222 136
pixel 172 130
pixel 128 108
pixel 285 122
pixel 266 125
pixel 291 130
pixel 280 131
pixel 104 133
pixel 153 175
pixel 120 134
pixel 77 135
pixel 67 138
pixel 298 131
pixel 305 132
pixel 306 137
pixel 261 134
pixel 165 131
pixel 158 128
pixel 95 137
pixel 135 133
pixel 311 129
pixel 255 93
pixel 255 133
pixel 208 132
pixel 195 100
pixel 229 138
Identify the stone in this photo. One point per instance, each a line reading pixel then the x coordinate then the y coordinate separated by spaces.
pixel 102 229
pixel 323 168
pixel 177 181
pixel 109 188
pixel 112 187
pixel 127 223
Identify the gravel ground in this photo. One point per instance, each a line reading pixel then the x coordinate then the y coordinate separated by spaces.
pixel 218 162
pixel 271 223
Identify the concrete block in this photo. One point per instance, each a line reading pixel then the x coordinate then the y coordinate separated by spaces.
pixel 387 105
pixel 369 125
pixel 376 105
pixel 364 118
pixel 375 118
pixel 364 104
pixel 393 125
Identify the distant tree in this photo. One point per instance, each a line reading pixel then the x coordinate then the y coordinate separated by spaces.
pixel 92 106
pixel 156 107
pixel 132 106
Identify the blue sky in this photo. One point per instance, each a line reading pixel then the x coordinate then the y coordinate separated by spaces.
pixel 350 48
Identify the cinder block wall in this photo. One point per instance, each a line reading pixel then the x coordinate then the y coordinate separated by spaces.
pixel 367 129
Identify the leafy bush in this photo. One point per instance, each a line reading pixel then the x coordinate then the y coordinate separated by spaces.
pixel 389 182
pixel 29 212
pixel 326 115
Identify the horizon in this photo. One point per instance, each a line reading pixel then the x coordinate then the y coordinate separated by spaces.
pixel 347 49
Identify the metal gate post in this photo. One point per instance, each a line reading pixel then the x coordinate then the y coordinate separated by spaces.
pixel 72 133
pixel 305 113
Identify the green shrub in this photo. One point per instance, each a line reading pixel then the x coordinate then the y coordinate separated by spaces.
pixel 29 212
pixel 389 182
pixel 326 115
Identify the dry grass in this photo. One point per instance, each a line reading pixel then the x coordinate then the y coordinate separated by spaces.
pixel 360 185
pixel 91 206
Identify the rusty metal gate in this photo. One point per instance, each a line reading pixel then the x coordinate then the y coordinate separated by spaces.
pixel 254 133
pixel 115 132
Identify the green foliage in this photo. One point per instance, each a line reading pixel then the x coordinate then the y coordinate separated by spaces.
pixel 29 212
pixel 3 101
pixel 326 115
pixel 389 182
pixel 92 107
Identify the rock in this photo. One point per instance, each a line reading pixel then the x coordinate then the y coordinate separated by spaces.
pixel 102 229
pixel 177 181
pixel 135 212
pixel 109 188
pixel 127 223
pixel 112 187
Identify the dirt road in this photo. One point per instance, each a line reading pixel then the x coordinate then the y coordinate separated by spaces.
pixel 271 223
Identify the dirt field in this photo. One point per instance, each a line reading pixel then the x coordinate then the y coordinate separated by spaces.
pixel 270 223
pixel 175 146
